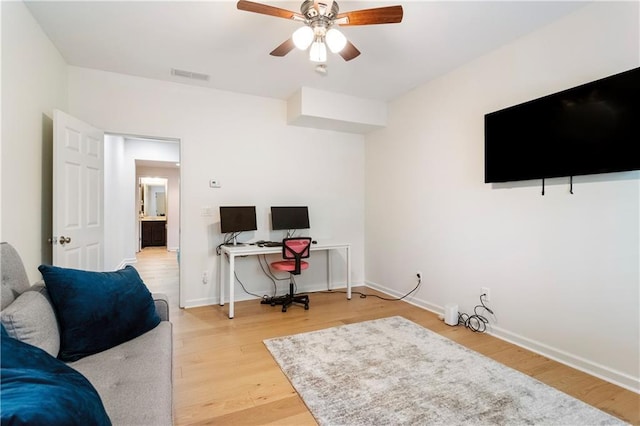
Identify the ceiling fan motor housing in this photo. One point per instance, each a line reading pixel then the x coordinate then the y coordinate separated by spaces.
pixel 309 11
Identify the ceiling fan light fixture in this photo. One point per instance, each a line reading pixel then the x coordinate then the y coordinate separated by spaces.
pixel 335 40
pixel 318 52
pixel 302 37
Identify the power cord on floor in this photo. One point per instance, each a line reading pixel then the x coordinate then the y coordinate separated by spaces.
pixel 476 322
pixel 365 295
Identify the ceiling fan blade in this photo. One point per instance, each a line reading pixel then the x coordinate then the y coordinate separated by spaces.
pixel 379 15
pixel 349 52
pixel 264 9
pixel 284 48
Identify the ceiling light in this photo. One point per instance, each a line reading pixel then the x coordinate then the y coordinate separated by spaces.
pixel 318 51
pixel 335 40
pixel 302 37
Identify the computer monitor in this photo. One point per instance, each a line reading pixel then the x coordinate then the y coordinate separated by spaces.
pixel 237 219
pixel 289 218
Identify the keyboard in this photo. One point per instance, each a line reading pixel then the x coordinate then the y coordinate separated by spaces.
pixel 272 244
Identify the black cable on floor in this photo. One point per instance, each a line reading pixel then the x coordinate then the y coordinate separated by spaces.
pixel 476 322
pixel 365 295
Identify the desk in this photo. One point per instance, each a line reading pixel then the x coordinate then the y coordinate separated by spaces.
pixel 253 250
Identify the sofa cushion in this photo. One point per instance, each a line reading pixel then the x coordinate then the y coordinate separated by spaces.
pixel 14 276
pixel 31 319
pixel 134 378
pixel 98 310
pixel 38 389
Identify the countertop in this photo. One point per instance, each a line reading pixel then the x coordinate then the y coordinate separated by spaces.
pixel 153 219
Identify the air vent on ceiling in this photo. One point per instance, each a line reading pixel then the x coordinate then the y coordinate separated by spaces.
pixel 189 74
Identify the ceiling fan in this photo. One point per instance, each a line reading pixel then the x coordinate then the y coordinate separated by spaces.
pixel 318 32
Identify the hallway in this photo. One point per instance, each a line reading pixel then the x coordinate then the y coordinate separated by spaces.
pixel 159 270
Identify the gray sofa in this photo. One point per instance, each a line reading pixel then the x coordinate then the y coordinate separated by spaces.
pixel 133 379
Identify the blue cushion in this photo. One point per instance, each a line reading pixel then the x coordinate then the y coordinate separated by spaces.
pixel 38 389
pixel 98 310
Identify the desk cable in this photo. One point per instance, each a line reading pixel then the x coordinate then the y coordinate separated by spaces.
pixel 228 237
pixel 235 274
pixel 365 295
pixel 269 275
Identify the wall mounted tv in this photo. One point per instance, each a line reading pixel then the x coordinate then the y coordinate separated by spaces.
pixel 589 129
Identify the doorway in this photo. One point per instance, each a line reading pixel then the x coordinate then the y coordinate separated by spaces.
pixel 152 199
pixel 127 160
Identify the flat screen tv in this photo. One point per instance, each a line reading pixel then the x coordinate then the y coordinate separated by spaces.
pixel 288 218
pixel 589 129
pixel 237 219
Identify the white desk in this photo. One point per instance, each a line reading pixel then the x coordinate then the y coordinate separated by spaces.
pixel 253 250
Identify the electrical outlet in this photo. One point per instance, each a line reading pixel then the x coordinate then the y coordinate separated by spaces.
pixel 205 277
pixel 487 292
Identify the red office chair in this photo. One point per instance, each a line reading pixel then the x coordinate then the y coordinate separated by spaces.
pixel 293 251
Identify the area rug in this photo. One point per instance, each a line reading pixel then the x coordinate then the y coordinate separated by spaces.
pixel 392 371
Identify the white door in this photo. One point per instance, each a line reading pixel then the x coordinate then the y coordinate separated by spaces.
pixel 78 175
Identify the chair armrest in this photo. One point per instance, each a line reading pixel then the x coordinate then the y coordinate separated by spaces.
pixel 162 305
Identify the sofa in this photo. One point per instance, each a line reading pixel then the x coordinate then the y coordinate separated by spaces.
pixel 132 378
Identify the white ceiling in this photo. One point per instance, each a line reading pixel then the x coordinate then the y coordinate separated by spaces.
pixel 148 39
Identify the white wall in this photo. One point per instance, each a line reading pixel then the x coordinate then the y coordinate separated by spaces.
pixel 117 194
pixel 245 143
pixel 563 269
pixel 34 82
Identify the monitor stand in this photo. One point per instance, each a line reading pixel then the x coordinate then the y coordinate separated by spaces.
pixel 234 242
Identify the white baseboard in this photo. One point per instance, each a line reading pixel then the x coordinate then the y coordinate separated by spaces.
pixel 196 303
pixel 416 301
pixel 605 373
pixel 126 262
pixel 241 297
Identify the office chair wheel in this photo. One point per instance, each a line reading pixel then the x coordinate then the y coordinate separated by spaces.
pixel 284 309
pixel 306 307
pixel 273 303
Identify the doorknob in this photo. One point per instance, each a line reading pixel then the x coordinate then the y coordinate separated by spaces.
pixel 64 240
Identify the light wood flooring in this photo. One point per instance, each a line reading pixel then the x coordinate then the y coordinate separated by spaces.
pixel 224 375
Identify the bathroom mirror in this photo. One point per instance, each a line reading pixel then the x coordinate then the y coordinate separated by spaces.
pixel 153 196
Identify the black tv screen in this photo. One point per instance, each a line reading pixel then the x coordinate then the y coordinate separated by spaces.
pixel 589 129
pixel 237 219
pixel 289 218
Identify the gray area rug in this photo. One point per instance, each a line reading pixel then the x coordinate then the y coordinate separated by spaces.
pixel 392 371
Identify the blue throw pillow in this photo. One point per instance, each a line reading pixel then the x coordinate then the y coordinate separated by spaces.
pixel 98 310
pixel 38 389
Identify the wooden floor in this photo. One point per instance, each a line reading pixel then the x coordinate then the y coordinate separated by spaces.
pixel 223 374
